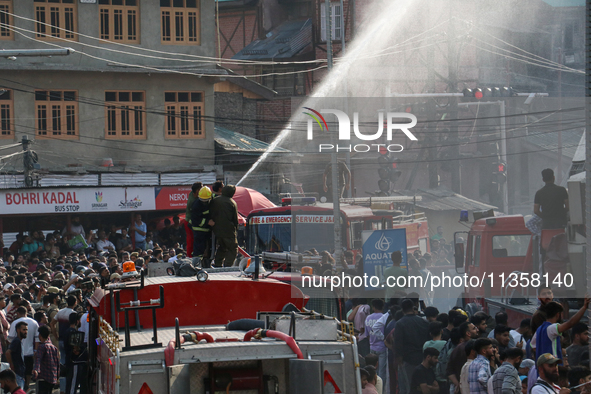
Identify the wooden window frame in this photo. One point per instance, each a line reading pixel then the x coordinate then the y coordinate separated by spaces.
pixel 45 12
pixel 55 103
pixel 5 33
pixel 110 11
pixel 119 112
pixel 7 115
pixel 188 121
pixel 174 14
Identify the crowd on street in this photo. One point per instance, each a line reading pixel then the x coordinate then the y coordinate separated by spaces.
pixel 409 347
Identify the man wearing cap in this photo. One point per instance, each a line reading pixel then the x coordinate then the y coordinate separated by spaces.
pixel 548 370
pixel 199 222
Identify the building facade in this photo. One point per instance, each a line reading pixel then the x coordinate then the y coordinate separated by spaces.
pixel 136 94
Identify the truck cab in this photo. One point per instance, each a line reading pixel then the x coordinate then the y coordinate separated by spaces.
pixel 494 248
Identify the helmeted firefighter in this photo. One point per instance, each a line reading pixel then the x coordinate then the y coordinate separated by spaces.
pixel 199 223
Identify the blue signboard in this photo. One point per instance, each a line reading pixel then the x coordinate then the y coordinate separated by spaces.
pixel 378 246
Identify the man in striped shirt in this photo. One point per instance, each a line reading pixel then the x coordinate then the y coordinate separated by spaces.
pixel 47 363
pixel 479 371
pixel 506 380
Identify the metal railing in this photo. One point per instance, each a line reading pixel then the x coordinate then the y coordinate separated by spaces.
pixel 109 336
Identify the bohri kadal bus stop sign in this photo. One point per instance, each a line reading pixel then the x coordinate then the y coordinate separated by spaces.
pixel 378 246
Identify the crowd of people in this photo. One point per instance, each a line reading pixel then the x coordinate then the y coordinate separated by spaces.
pixel 408 347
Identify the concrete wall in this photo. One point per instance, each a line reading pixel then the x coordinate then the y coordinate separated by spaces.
pixel 88 24
pixel 154 153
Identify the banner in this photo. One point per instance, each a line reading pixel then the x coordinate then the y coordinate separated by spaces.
pixel 171 197
pixel 378 246
pixel 77 200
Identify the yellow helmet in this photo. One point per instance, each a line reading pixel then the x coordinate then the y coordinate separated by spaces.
pixel 205 193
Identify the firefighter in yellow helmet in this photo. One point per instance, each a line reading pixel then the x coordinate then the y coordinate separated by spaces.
pixel 199 222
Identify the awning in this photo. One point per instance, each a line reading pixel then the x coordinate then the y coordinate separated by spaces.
pixel 285 41
pixel 232 141
pixel 443 199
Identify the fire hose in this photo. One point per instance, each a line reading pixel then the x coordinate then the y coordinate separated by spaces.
pixel 259 333
pixel 194 336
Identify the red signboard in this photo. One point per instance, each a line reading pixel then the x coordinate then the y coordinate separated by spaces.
pixel 172 197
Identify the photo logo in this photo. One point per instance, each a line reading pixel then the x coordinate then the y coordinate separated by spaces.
pixel 344 125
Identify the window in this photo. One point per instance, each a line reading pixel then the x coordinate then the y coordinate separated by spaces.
pixel 184 115
pixel 180 22
pixel 510 245
pixel 6 114
pixel 119 20
pixel 335 21
pixel 56 19
pixel 286 81
pixel 5 20
pixel 126 115
pixel 56 113
pixel 476 250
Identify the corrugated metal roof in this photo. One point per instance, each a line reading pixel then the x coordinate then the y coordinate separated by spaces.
pixel 235 142
pixel 549 141
pixel 443 199
pixel 285 41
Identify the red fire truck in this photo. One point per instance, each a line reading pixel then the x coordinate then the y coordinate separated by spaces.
pixel 504 255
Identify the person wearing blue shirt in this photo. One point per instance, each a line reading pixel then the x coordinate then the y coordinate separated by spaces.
pixel 140 229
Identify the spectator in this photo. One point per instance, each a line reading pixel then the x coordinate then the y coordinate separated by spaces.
pixel 479 371
pixel 423 378
pixel 501 319
pixel 140 229
pixel 458 357
pixel 103 244
pixel 373 360
pixel 471 355
pixel 376 342
pixel 410 334
pixel 547 337
pixel 580 345
pixel 506 380
pixel 548 379
pixel 28 344
pixel 370 386
pixel 9 382
pixel 578 376
pixel 392 273
pixel 75 228
pixel 503 337
pixel 47 363
pixel 435 331
pixel 14 354
pixel 479 321
pixel 431 313
pixel 523 332
pixel 551 202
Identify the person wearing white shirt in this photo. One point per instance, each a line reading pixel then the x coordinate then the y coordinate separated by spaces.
pixel 523 331
pixel 103 244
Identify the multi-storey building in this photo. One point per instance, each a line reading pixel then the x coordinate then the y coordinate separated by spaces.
pixel 138 88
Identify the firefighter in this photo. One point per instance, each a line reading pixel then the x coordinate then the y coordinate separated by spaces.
pixel 199 223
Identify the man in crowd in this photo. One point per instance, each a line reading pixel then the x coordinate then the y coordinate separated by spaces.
pixel 140 229
pixel 392 273
pixel 551 202
pixel 47 363
pixel 506 380
pixel 9 382
pixel 580 344
pixel 458 356
pixel 193 194
pixel 479 371
pixel 423 377
pixel 548 379
pixel 410 334
pixel 28 344
pixel 15 356
pixel 376 342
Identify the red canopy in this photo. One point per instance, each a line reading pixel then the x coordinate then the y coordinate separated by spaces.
pixel 249 200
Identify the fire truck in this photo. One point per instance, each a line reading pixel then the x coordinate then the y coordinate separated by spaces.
pixel 173 335
pixel 504 254
pixel 307 224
